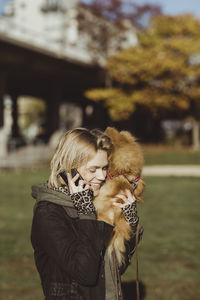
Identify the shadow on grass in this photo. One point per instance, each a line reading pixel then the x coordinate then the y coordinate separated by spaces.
pixel 129 290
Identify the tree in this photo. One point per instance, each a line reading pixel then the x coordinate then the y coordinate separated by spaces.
pixel 118 10
pixel 161 73
pixel 109 25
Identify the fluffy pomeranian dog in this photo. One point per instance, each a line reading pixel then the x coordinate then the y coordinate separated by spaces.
pixel 125 167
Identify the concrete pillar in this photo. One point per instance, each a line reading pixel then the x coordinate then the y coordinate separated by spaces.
pixel 15 127
pixel 2 91
pixel 15 140
pixel 52 113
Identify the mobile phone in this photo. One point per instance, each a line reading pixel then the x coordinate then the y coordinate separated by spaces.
pixel 73 173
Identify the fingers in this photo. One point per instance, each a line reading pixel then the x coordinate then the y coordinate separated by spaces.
pixel 75 177
pixel 117 204
pixel 131 197
pixel 69 179
pixel 81 185
pixel 121 196
pixel 127 198
pixel 87 187
pixel 71 183
pixel 73 188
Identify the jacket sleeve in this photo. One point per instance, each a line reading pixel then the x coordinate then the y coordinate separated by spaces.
pixel 130 249
pixel 77 251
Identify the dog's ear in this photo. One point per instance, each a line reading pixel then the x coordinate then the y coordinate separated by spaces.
pixel 118 137
pixel 113 134
pixel 111 131
pixel 128 136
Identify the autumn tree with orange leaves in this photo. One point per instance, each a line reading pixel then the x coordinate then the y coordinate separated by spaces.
pixel 107 22
pixel 161 73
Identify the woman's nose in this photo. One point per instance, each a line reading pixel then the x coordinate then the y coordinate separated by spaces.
pixel 101 175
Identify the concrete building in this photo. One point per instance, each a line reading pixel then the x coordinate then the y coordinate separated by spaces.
pixel 55 25
pixel 45 52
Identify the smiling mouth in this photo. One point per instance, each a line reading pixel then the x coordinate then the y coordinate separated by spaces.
pixel 96 185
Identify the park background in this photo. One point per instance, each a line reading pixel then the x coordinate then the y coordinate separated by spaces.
pixel 152 90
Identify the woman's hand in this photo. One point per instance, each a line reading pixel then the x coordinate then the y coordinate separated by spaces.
pixel 73 188
pixel 128 199
pixel 129 208
pixel 81 195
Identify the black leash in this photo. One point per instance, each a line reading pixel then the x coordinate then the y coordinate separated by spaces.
pixel 137 264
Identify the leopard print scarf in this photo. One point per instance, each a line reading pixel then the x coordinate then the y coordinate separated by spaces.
pixel 63 189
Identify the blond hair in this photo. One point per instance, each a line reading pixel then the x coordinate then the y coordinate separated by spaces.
pixel 76 147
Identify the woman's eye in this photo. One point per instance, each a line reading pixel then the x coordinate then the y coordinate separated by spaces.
pixel 92 171
pixel 105 168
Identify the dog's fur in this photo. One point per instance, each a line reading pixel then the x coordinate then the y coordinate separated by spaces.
pixel 126 157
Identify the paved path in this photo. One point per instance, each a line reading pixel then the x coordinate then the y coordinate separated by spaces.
pixel 39 155
pixel 172 170
pixel 27 157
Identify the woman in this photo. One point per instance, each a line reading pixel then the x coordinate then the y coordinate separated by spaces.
pixel 69 243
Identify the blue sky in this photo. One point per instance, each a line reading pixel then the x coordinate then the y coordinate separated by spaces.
pixel 169 6
pixel 2 3
pixel 173 7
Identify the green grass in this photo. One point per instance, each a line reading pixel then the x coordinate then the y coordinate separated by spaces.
pixel 18 277
pixel 165 156
pixel 169 254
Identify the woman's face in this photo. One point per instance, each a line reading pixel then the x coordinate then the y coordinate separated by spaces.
pixel 95 170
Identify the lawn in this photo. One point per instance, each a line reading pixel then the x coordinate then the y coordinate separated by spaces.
pixel 156 155
pixel 169 254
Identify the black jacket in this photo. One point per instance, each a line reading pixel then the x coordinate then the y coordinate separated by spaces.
pixel 69 253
